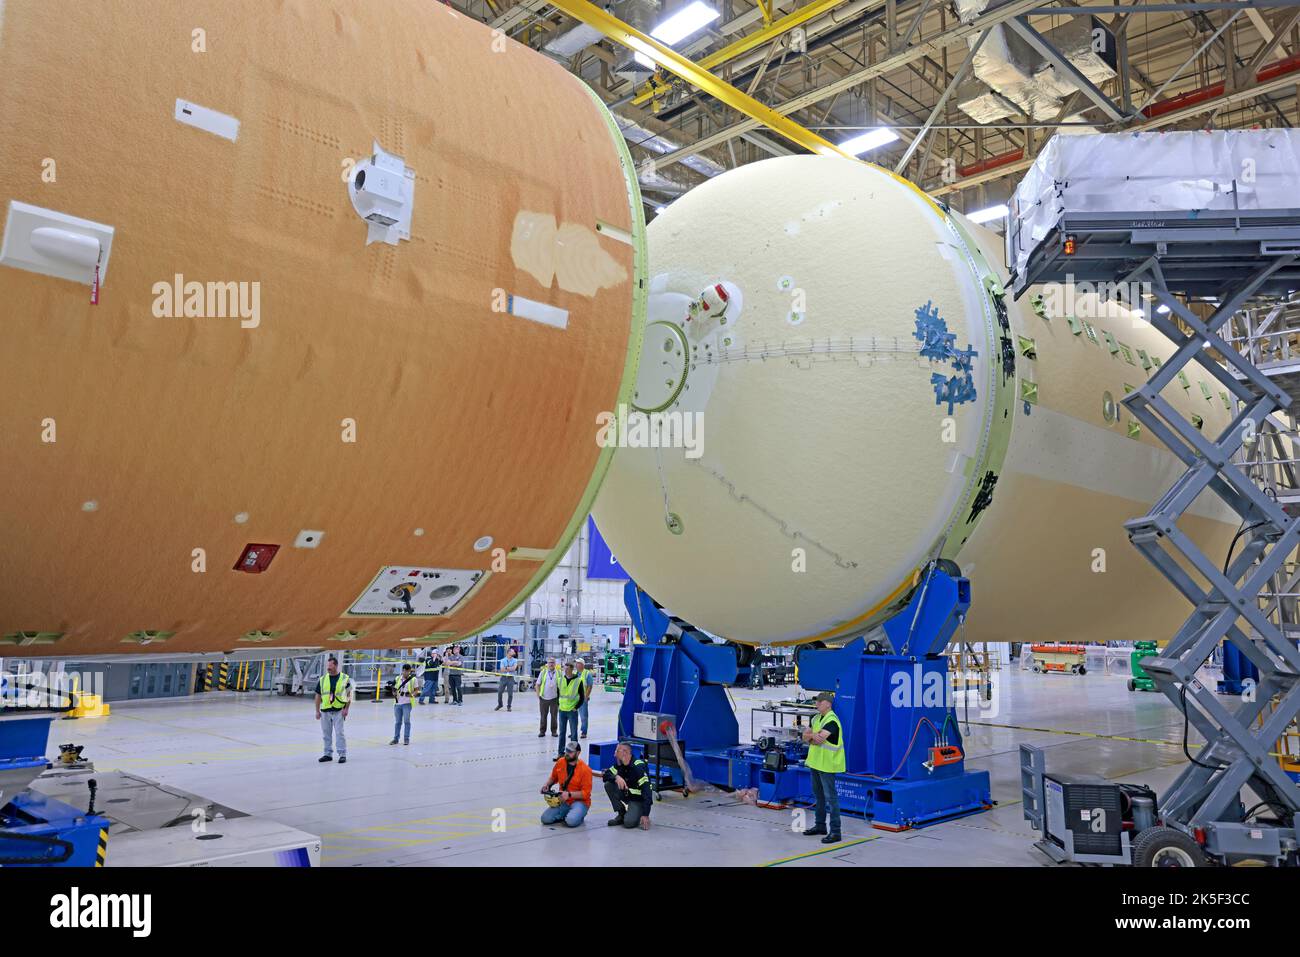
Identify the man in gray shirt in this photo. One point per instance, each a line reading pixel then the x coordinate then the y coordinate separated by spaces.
pixel 509 669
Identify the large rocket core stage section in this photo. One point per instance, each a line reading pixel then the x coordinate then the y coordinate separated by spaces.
pixel 358 311
pixel 871 398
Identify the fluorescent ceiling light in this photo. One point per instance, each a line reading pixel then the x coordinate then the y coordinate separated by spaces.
pixel 870 140
pixel 1162 309
pixel 689 19
pixel 988 215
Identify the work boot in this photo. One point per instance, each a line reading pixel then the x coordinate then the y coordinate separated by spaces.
pixel 583 735
pixel 406 742
pixel 497 708
pixel 615 821
pixel 541 734
pixel 832 839
pixel 343 759
pixel 325 757
pixel 394 741
pixel 814 831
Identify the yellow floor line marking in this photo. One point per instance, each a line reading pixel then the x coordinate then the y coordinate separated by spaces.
pixel 1079 734
pixel 826 850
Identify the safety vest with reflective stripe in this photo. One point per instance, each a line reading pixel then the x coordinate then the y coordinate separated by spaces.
pixel 827 757
pixel 339 698
pixel 638 767
pixel 569 691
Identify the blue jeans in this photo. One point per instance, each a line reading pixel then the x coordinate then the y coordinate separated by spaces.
pixel 568 719
pixel 571 814
pixel 823 784
pixel 582 714
pixel 402 719
pixel 430 689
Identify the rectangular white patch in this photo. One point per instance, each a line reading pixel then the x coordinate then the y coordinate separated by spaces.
pixel 219 124
pixel 404 591
pixel 613 232
pixel 538 312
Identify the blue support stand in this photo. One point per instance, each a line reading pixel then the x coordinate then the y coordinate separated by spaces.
pixel 1237 668
pixel 36 830
pixel 903 747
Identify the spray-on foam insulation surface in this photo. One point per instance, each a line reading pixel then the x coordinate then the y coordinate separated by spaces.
pixel 380 395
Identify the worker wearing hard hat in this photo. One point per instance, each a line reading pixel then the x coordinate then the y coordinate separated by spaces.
pixel 825 739
pixel 333 697
pixel 627 783
pixel 568 789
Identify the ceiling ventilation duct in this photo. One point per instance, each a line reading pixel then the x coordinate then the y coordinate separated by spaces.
pixel 1014 79
pixel 567 44
pixel 636 134
pixel 639 14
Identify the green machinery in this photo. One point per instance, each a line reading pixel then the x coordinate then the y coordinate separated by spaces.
pixel 613 670
pixel 1141 681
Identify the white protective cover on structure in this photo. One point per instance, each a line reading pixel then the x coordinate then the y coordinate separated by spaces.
pixel 1152 173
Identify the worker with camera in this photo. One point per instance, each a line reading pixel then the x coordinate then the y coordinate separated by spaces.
pixel 568 789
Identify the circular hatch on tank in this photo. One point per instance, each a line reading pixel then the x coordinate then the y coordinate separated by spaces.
pixel 665 356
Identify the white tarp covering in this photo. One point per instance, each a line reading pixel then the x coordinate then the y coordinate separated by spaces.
pixel 1152 172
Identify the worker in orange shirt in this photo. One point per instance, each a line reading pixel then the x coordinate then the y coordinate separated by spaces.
pixel 568 789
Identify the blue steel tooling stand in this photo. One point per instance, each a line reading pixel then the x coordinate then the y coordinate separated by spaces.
pixel 1237 669
pixel 905 766
pixel 35 829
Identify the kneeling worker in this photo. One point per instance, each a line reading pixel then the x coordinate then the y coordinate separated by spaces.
pixel 627 782
pixel 825 760
pixel 569 787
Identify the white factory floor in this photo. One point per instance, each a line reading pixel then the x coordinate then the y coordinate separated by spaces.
pixel 469 768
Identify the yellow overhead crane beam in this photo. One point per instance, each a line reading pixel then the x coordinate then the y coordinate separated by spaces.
pixel 772 30
pixel 692 73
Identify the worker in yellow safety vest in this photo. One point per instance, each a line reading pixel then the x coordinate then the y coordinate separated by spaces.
pixel 333 698
pixel 825 739
pixel 572 693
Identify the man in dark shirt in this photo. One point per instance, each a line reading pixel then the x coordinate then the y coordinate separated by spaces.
pixel 627 782
pixel 333 698
pixel 432 665
pixel 826 759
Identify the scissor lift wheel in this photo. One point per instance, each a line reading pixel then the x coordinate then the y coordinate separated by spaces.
pixel 1167 847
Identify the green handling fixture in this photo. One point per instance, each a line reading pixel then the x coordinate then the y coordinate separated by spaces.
pixel 1141 681
pixel 613 669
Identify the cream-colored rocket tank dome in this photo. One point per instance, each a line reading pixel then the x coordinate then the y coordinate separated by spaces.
pixel 357 311
pixel 844 390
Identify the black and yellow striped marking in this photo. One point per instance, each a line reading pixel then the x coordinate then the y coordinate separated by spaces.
pixel 101 853
pixel 207 676
pixel 225 675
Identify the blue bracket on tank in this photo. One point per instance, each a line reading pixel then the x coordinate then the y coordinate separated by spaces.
pixel 940 345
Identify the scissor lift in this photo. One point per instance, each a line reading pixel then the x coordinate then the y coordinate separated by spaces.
pixel 1227 256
